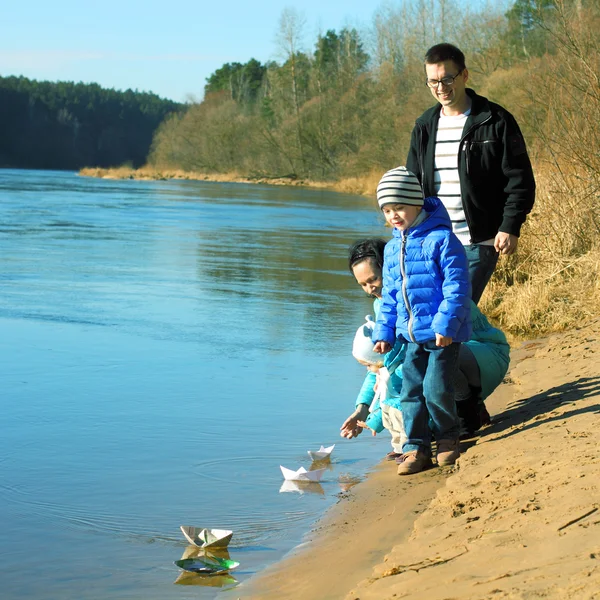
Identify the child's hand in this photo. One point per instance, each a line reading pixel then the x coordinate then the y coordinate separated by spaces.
pixel 365 426
pixel 441 341
pixel 382 347
pixel 350 428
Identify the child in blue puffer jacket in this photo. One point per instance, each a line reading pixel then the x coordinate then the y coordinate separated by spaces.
pixel 426 302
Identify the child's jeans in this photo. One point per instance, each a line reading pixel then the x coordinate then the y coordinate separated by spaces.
pixel 428 395
pixel 392 421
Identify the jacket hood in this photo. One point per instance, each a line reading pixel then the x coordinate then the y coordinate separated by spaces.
pixel 437 216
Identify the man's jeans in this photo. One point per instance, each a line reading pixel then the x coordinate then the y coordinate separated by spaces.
pixel 482 262
pixel 428 395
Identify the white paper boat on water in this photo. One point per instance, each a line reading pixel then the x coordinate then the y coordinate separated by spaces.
pixel 322 453
pixel 207 538
pixel 302 474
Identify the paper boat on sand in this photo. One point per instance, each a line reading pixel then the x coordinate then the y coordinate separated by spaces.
pixel 302 474
pixel 207 565
pixel 322 453
pixel 207 538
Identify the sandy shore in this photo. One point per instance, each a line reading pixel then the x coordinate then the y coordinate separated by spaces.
pixel 518 517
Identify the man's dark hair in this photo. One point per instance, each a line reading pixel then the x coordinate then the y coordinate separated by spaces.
pixel 369 248
pixel 443 52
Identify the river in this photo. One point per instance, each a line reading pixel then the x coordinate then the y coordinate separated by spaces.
pixel 165 347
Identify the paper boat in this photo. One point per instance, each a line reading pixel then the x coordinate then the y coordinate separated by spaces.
pixel 207 538
pixel 302 474
pixel 322 453
pixel 206 565
pixel 194 552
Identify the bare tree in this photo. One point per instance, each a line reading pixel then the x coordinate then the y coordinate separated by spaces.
pixel 289 41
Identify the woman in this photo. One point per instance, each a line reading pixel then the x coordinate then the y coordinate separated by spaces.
pixel 365 262
pixel 483 360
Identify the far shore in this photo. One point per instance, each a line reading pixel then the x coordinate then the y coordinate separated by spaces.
pixel 363 185
pixel 518 517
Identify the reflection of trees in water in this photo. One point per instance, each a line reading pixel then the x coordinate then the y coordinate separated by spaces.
pixel 301 280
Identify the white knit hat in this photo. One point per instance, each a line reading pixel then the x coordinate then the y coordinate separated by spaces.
pixel 399 186
pixel 362 348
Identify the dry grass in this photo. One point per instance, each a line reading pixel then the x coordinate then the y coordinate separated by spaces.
pixel 151 173
pixel 365 185
pixel 157 173
pixel 553 282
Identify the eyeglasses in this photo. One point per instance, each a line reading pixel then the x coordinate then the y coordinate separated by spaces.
pixel 446 81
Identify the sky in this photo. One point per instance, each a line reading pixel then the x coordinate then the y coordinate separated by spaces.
pixel 165 47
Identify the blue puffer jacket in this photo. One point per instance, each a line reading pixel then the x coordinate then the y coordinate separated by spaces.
pixel 426 287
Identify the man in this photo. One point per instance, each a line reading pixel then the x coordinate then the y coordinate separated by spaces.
pixel 470 153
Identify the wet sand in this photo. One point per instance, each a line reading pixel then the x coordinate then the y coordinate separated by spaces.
pixel 518 517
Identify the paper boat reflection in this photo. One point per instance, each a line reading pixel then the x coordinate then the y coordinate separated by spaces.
pixel 207 565
pixel 220 581
pixel 207 538
pixel 302 487
pixel 321 454
pixel 302 474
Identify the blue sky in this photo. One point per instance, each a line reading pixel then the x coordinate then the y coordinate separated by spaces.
pixel 165 47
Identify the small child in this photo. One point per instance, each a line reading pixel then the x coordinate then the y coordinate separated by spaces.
pixel 426 302
pixel 384 410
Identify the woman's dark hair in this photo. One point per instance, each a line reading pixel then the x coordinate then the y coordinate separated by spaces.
pixel 442 52
pixel 369 248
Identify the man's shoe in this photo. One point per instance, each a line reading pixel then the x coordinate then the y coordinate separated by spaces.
pixel 413 462
pixel 447 452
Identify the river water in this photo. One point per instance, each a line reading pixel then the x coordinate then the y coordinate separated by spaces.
pixel 165 347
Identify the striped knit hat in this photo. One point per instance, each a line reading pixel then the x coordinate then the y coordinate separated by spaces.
pixel 399 186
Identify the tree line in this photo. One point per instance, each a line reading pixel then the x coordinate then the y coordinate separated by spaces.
pixel 344 105
pixel 69 125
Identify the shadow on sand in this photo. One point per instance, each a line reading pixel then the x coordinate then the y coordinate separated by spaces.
pixel 542 408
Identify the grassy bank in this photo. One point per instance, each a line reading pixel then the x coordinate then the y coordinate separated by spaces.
pixel 363 186
pixel 148 173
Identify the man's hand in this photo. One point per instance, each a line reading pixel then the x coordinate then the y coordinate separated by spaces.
pixel 382 347
pixel 506 243
pixel 441 341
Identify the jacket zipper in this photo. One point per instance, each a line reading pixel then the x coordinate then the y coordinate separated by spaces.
pixel 404 292
pixel 422 161
pixel 465 147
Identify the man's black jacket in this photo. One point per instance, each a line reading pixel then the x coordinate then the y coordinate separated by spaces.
pixel 496 180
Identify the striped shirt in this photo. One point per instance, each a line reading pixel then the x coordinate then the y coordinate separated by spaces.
pixel 446 179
